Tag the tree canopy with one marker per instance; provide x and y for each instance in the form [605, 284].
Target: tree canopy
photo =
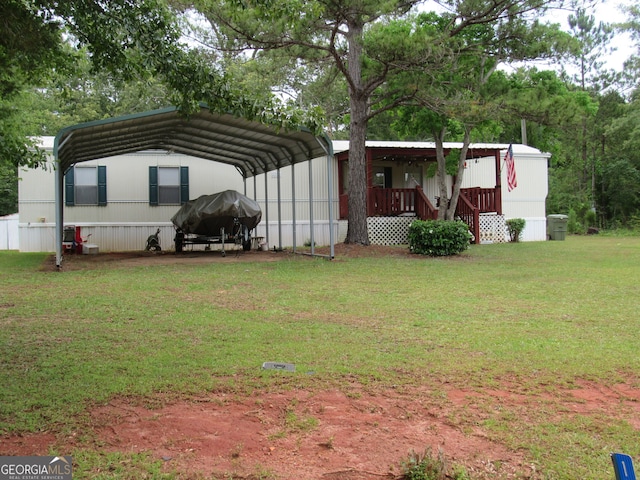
[387, 59]
[129, 40]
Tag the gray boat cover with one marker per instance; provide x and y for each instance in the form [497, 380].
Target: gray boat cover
[208, 214]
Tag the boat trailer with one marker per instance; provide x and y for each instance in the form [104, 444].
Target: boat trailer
[240, 235]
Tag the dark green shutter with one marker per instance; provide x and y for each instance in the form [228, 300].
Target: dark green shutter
[153, 185]
[184, 185]
[102, 185]
[69, 188]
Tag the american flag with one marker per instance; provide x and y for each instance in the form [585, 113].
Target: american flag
[512, 182]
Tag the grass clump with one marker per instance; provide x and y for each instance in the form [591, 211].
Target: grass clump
[123, 466]
[428, 467]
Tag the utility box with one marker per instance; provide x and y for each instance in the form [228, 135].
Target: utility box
[557, 227]
[89, 249]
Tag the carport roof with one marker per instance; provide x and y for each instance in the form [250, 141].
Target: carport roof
[252, 147]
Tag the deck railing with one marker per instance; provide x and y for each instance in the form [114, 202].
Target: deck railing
[470, 214]
[484, 199]
[390, 201]
[424, 208]
[397, 201]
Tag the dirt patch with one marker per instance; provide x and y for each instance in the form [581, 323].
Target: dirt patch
[142, 258]
[288, 435]
[327, 434]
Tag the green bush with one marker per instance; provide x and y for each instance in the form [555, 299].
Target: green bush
[590, 218]
[580, 219]
[438, 237]
[515, 226]
[573, 223]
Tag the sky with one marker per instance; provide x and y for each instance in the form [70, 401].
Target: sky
[607, 11]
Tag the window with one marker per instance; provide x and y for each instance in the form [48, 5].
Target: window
[86, 185]
[381, 177]
[168, 185]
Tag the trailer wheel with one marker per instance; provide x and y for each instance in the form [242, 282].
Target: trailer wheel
[246, 238]
[179, 240]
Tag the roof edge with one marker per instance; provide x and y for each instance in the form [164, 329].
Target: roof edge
[105, 121]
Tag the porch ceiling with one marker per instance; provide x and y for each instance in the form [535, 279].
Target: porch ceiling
[252, 147]
[426, 151]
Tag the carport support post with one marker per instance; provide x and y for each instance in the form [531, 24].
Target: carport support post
[279, 212]
[293, 204]
[311, 225]
[59, 211]
[255, 187]
[255, 197]
[266, 207]
[330, 202]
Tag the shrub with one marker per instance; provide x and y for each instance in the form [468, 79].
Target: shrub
[573, 223]
[590, 218]
[515, 226]
[438, 237]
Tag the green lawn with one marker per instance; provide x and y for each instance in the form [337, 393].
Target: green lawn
[538, 316]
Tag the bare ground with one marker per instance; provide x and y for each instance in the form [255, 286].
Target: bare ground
[327, 434]
[141, 258]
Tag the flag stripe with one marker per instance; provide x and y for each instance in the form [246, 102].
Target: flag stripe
[512, 182]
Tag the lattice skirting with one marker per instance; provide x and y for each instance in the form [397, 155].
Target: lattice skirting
[493, 229]
[389, 230]
[395, 230]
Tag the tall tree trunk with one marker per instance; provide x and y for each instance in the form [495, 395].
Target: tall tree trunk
[442, 174]
[455, 193]
[357, 229]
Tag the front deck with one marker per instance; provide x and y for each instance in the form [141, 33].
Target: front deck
[404, 166]
[391, 202]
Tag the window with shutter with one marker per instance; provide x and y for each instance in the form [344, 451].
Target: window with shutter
[86, 185]
[168, 185]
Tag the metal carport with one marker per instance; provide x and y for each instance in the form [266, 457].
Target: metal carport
[252, 147]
